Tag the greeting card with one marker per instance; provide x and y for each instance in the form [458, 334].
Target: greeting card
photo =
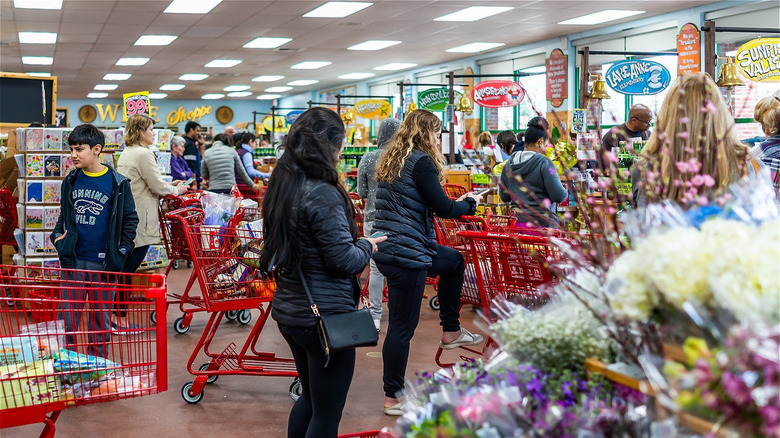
[51, 262]
[50, 216]
[163, 139]
[33, 140]
[34, 192]
[52, 165]
[33, 217]
[107, 159]
[67, 164]
[35, 242]
[51, 191]
[164, 162]
[34, 165]
[52, 139]
[65, 136]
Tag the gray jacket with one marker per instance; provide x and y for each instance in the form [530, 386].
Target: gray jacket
[540, 177]
[221, 164]
[366, 184]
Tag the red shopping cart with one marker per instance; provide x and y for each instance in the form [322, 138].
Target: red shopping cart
[359, 204]
[454, 191]
[45, 369]
[226, 264]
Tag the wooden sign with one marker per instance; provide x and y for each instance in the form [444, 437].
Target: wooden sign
[557, 78]
[688, 49]
[759, 60]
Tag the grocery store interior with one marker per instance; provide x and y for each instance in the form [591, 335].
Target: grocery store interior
[255, 66]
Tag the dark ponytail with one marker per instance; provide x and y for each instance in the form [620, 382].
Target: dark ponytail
[537, 128]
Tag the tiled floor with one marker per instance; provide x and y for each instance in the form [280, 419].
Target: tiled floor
[238, 406]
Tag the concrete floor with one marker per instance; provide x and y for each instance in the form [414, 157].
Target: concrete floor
[240, 406]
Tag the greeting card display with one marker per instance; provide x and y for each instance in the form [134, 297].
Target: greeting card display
[67, 164]
[33, 139]
[34, 165]
[34, 192]
[33, 217]
[50, 216]
[52, 165]
[51, 191]
[52, 139]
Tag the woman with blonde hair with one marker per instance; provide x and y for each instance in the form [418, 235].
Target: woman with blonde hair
[409, 175]
[694, 150]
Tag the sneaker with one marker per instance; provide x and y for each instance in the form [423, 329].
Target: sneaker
[465, 338]
[394, 410]
[121, 331]
[376, 324]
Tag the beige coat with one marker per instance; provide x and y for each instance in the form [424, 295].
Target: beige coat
[139, 165]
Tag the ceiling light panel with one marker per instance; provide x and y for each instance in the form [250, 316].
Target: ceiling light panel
[37, 60]
[191, 6]
[39, 74]
[106, 87]
[356, 76]
[116, 77]
[97, 95]
[395, 66]
[171, 87]
[223, 63]
[158, 95]
[302, 82]
[473, 13]
[266, 43]
[132, 61]
[236, 88]
[267, 78]
[37, 37]
[310, 65]
[268, 96]
[374, 45]
[474, 47]
[212, 96]
[601, 17]
[279, 89]
[240, 94]
[193, 77]
[337, 9]
[38, 4]
[155, 40]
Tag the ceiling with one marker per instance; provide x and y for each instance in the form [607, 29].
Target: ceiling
[93, 35]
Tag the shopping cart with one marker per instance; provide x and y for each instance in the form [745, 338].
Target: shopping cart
[359, 204]
[226, 264]
[176, 245]
[8, 220]
[45, 369]
[454, 191]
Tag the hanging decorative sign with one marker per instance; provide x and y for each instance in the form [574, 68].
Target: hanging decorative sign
[376, 109]
[638, 77]
[277, 124]
[436, 99]
[578, 116]
[497, 94]
[291, 116]
[688, 49]
[136, 103]
[557, 78]
[759, 60]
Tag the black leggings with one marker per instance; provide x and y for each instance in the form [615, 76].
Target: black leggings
[405, 289]
[317, 413]
[132, 263]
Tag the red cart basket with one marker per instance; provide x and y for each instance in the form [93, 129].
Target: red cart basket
[45, 368]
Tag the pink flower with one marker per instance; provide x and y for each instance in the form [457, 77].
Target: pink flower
[611, 210]
[546, 202]
[708, 180]
[711, 107]
[702, 200]
[684, 120]
[567, 215]
[683, 135]
[677, 183]
[682, 166]
[611, 157]
[698, 180]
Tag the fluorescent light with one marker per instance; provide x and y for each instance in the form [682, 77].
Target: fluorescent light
[106, 87]
[223, 63]
[374, 45]
[37, 37]
[193, 77]
[212, 96]
[336, 9]
[356, 75]
[534, 70]
[395, 66]
[116, 76]
[266, 42]
[601, 17]
[97, 95]
[155, 40]
[279, 89]
[38, 4]
[310, 65]
[302, 82]
[236, 88]
[474, 47]
[473, 13]
[268, 96]
[132, 61]
[39, 74]
[191, 6]
[37, 60]
[171, 87]
[240, 94]
[267, 78]
[158, 95]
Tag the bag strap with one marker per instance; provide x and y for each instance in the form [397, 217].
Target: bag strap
[316, 313]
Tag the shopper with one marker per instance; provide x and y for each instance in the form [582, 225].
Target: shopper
[409, 173]
[767, 113]
[179, 168]
[530, 180]
[366, 188]
[192, 153]
[138, 163]
[640, 117]
[310, 235]
[221, 165]
[245, 148]
[506, 141]
[95, 231]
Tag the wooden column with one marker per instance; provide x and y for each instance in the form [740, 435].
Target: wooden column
[710, 55]
[584, 76]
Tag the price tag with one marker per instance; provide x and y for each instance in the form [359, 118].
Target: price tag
[136, 103]
[449, 113]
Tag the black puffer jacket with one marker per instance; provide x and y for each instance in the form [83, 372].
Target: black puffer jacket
[331, 256]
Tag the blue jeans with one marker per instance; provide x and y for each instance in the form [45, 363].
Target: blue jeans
[101, 300]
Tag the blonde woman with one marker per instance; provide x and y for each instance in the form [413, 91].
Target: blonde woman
[694, 150]
[409, 175]
[138, 163]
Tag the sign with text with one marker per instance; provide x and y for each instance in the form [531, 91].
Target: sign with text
[435, 99]
[759, 60]
[275, 124]
[688, 49]
[578, 116]
[136, 103]
[291, 116]
[376, 109]
[497, 94]
[557, 78]
[181, 115]
[638, 77]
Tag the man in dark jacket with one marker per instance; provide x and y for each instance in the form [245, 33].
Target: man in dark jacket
[191, 150]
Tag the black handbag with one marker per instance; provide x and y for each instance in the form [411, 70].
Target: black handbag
[342, 331]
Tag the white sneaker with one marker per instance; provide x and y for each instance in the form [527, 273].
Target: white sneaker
[376, 324]
[465, 338]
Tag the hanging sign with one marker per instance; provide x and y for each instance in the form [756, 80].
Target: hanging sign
[557, 78]
[688, 49]
[436, 99]
[407, 95]
[759, 60]
[291, 116]
[136, 103]
[278, 124]
[638, 77]
[497, 94]
[376, 109]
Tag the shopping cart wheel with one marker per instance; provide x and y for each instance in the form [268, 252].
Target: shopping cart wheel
[244, 317]
[209, 379]
[179, 326]
[295, 389]
[187, 395]
[434, 302]
[153, 317]
[175, 264]
[231, 315]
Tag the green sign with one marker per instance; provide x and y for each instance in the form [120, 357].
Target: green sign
[435, 99]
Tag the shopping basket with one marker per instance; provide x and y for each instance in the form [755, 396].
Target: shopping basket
[45, 369]
[454, 191]
[226, 264]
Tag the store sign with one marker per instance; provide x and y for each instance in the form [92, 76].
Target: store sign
[376, 109]
[136, 103]
[291, 116]
[759, 60]
[497, 94]
[181, 115]
[436, 99]
[277, 124]
[557, 78]
[638, 77]
[688, 49]
[108, 113]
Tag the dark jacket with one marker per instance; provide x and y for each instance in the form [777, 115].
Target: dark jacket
[331, 257]
[192, 156]
[540, 177]
[124, 221]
